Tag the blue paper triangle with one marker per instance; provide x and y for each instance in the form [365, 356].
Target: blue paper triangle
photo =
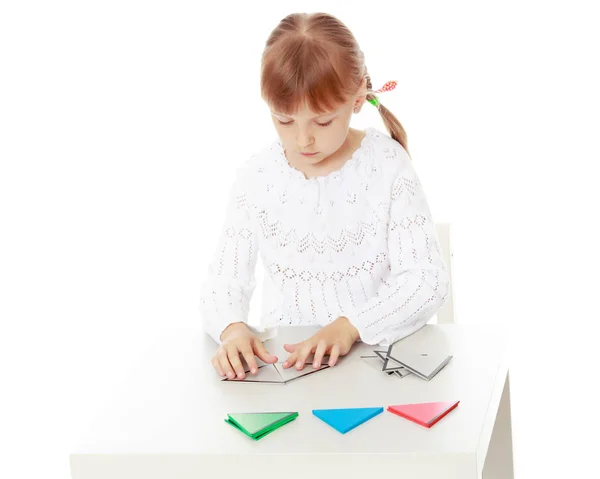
[344, 420]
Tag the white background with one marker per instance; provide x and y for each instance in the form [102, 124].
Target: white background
[122, 122]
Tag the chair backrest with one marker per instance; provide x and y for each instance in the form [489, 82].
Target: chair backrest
[446, 313]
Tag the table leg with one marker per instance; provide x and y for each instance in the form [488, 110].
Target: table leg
[499, 459]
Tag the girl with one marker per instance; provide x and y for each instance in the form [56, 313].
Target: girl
[338, 215]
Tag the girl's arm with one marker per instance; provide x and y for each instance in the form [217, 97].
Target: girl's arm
[418, 283]
[228, 287]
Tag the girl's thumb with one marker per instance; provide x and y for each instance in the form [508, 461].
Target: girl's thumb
[262, 352]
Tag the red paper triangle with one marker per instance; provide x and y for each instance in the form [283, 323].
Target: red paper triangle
[425, 414]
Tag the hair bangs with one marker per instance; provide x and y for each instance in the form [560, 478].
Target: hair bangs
[302, 73]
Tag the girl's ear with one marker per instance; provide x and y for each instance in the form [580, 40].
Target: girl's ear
[361, 97]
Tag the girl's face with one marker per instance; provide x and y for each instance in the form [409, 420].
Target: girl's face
[308, 132]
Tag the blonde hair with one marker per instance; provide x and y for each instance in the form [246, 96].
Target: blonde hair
[314, 59]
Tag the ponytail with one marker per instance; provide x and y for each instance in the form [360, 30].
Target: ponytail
[392, 124]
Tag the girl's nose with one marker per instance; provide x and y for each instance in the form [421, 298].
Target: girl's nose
[304, 139]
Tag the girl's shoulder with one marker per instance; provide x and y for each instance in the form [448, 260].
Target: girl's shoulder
[382, 158]
[388, 151]
[257, 170]
[263, 160]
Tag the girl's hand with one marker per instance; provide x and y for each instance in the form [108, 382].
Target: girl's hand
[335, 339]
[238, 339]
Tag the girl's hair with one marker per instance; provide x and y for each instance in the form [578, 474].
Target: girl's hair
[315, 59]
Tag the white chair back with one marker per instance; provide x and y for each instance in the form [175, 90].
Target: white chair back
[446, 314]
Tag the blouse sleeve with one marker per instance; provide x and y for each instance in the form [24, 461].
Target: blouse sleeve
[417, 284]
[230, 282]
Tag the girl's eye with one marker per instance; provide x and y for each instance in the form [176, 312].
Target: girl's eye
[320, 124]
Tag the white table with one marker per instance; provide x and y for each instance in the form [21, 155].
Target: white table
[169, 422]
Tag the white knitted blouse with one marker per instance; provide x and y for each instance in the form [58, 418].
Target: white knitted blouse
[358, 242]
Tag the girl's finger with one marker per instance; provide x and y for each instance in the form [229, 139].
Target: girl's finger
[225, 364]
[236, 363]
[319, 353]
[290, 360]
[248, 354]
[303, 354]
[334, 354]
[217, 366]
[294, 349]
[261, 351]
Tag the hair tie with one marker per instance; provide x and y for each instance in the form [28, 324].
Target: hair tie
[389, 86]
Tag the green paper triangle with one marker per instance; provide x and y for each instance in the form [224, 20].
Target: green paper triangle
[258, 425]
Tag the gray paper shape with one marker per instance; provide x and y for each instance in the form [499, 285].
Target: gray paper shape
[265, 374]
[424, 365]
